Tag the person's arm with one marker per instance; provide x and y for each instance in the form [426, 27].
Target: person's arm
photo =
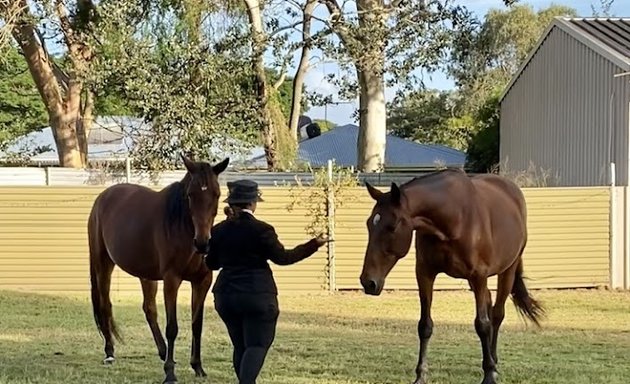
[275, 251]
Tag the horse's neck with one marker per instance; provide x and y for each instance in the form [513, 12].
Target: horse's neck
[443, 210]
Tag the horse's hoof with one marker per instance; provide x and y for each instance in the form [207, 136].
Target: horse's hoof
[490, 378]
[109, 360]
[199, 372]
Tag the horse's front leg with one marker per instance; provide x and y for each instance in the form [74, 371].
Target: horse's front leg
[483, 326]
[199, 292]
[425, 325]
[171, 288]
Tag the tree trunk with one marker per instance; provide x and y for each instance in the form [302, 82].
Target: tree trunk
[262, 91]
[62, 105]
[300, 74]
[372, 121]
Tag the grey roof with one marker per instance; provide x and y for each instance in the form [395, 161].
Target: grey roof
[340, 144]
[609, 37]
[111, 138]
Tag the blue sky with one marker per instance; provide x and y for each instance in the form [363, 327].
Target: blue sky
[342, 113]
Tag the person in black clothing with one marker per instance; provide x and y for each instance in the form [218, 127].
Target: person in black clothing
[245, 293]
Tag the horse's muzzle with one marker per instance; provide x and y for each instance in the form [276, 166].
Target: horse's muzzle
[202, 246]
[371, 287]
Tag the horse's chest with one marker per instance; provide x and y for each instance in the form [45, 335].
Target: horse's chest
[443, 257]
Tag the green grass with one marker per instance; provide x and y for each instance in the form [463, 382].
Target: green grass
[323, 339]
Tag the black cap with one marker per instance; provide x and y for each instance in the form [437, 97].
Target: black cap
[243, 192]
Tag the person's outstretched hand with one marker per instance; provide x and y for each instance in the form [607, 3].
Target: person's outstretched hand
[322, 239]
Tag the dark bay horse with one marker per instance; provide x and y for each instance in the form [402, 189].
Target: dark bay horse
[467, 227]
[156, 235]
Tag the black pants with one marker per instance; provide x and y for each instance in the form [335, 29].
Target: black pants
[251, 322]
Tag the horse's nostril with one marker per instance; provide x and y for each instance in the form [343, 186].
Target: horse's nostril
[371, 286]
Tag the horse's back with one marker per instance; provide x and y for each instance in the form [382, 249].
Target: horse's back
[495, 186]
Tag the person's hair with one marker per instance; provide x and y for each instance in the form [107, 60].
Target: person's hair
[234, 209]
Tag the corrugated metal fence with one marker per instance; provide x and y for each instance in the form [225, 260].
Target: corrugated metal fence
[43, 245]
[54, 176]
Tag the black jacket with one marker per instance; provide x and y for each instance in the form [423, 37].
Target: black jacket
[241, 246]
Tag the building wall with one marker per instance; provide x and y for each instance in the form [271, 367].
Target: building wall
[43, 243]
[568, 114]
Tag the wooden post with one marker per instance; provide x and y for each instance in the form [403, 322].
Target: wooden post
[330, 203]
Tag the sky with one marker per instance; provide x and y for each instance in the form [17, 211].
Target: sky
[342, 113]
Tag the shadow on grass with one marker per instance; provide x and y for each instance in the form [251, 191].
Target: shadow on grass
[53, 339]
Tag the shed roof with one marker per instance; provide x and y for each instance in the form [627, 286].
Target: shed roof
[609, 37]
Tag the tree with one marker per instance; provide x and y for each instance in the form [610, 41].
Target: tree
[487, 54]
[483, 148]
[197, 93]
[68, 103]
[395, 38]
[297, 105]
[21, 107]
[430, 117]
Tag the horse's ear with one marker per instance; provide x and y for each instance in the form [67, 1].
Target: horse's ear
[221, 166]
[189, 164]
[395, 193]
[375, 193]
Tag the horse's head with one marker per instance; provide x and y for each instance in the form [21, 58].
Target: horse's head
[390, 232]
[203, 193]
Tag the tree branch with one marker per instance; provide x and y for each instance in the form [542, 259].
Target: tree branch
[338, 22]
[280, 81]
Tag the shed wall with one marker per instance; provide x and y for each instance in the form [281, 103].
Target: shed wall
[567, 113]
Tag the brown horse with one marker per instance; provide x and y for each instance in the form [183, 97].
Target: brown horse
[156, 235]
[467, 227]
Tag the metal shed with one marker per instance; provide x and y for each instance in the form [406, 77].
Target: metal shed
[566, 109]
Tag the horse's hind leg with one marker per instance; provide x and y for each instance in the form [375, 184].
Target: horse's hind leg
[103, 306]
[199, 292]
[425, 325]
[483, 326]
[149, 306]
[504, 287]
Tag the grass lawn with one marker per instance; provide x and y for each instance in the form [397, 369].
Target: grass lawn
[323, 339]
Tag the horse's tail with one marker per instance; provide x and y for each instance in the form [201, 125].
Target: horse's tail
[97, 255]
[526, 305]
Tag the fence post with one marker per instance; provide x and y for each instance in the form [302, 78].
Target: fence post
[612, 216]
[47, 174]
[330, 215]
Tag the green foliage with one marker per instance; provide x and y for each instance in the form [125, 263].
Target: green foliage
[195, 95]
[325, 125]
[487, 54]
[430, 117]
[21, 106]
[315, 197]
[483, 149]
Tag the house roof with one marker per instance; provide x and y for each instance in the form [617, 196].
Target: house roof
[340, 144]
[111, 138]
[609, 37]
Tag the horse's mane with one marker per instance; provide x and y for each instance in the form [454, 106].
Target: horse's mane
[177, 211]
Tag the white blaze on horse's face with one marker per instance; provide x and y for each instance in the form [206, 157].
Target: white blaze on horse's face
[376, 219]
[204, 187]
